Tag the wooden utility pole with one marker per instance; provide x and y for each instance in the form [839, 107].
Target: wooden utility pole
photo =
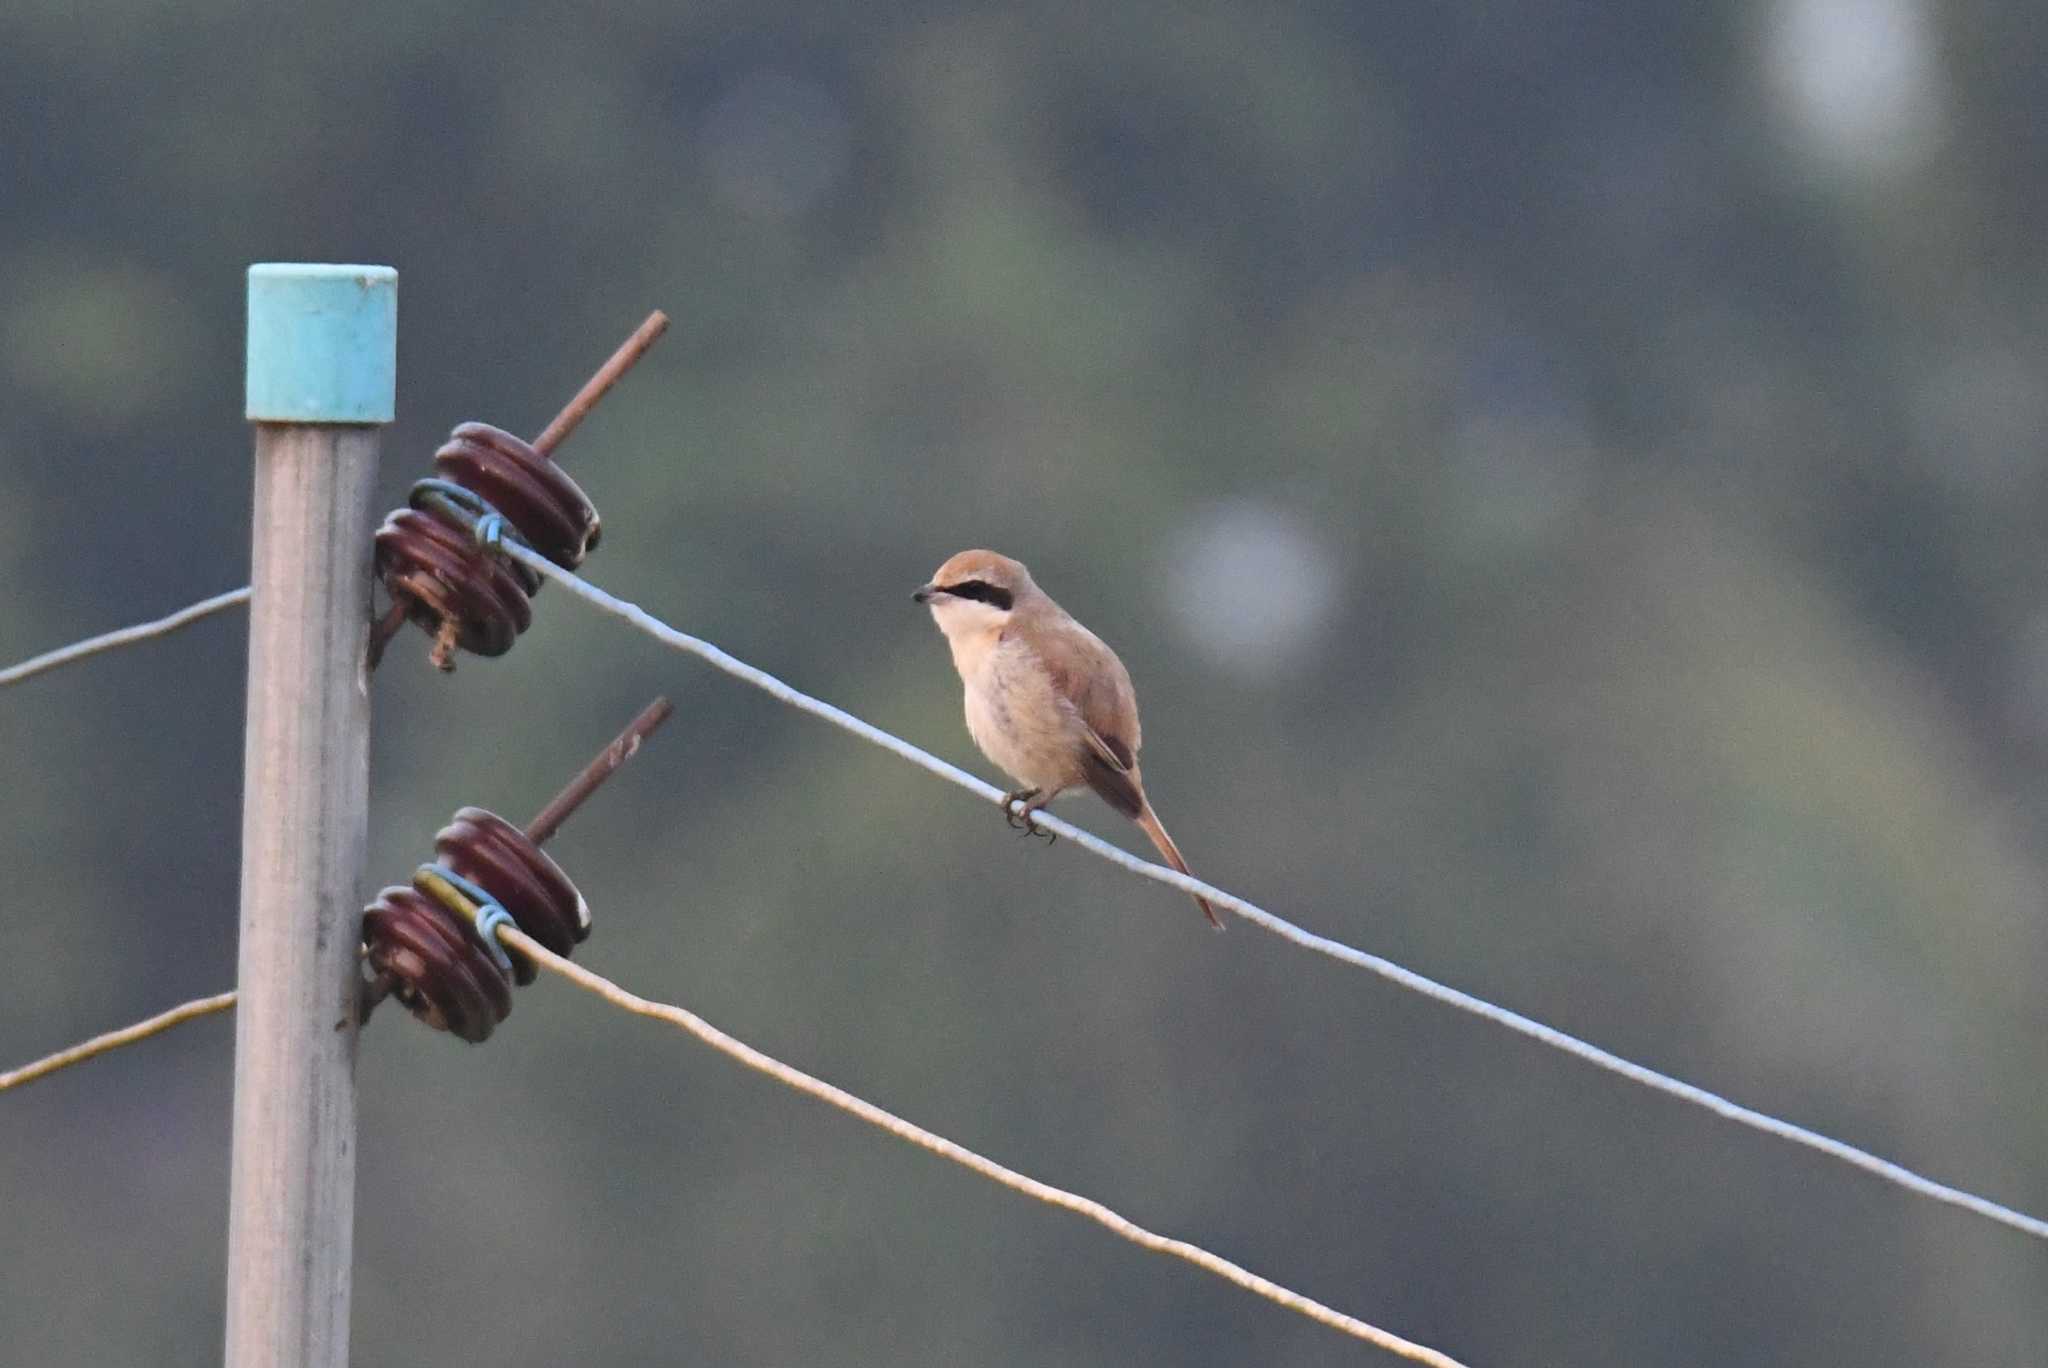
[321, 379]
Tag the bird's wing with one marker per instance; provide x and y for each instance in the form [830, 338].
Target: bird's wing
[1088, 675]
[1106, 767]
[1090, 678]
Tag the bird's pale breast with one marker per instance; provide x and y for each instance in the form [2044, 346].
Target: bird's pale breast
[1018, 719]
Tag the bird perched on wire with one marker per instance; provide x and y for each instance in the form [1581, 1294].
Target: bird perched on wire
[1047, 701]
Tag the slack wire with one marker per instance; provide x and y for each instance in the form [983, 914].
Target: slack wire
[126, 636]
[988, 1168]
[1869, 1163]
[835, 1096]
[114, 1040]
[1877, 1167]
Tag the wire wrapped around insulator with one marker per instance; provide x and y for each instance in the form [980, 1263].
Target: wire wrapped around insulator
[492, 853]
[428, 553]
[432, 564]
[435, 965]
[424, 939]
[535, 495]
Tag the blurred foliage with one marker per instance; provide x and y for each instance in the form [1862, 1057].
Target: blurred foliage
[1568, 484]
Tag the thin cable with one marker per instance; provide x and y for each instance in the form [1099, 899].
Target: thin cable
[1407, 978]
[125, 636]
[1592, 1054]
[988, 1168]
[114, 1040]
[826, 1092]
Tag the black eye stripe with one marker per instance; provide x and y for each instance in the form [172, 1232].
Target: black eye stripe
[981, 591]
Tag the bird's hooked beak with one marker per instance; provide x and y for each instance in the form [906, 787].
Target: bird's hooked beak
[925, 594]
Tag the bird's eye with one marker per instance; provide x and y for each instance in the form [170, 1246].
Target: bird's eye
[981, 591]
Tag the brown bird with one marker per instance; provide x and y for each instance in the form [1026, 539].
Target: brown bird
[1047, 701]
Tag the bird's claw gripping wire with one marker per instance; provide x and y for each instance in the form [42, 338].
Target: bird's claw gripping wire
[1018, 807]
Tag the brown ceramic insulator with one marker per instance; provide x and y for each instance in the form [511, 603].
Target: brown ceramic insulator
[497, 856]
[436, 965]
[535, 495]
[437, 961]
[463, 594]
[434, 567]
[432, 957]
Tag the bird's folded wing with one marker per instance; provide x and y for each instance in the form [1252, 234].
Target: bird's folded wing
[1106, 764]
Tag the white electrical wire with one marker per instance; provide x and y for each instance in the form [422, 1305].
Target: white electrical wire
[1885, 1169]
[125, 636]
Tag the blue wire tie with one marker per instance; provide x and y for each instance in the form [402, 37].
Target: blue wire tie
[490, 527]
[490, 531]
[486, 911]
[468, 504]
[487, 525]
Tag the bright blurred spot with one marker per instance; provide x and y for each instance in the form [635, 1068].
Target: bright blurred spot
[774, 144]
[1251, 587]
[1860, 81]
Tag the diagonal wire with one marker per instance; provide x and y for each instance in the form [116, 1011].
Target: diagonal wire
[125, 636]
[1872, 1164]
[967, 1158]
[826, 1092]
[1884, 1169]
[114, 1040]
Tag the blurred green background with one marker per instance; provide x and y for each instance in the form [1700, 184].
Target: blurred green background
[1567, 480]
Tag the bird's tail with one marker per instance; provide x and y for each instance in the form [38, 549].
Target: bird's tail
[1148, 821]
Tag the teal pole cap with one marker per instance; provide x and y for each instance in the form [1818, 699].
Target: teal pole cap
[323, 343]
